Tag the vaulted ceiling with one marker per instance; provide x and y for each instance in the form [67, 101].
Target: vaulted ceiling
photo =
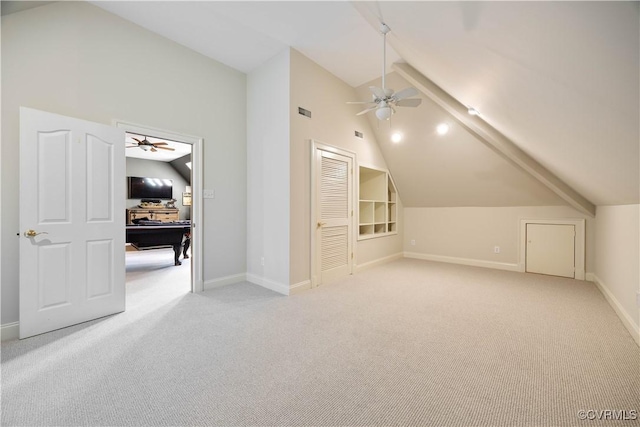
[559, 79]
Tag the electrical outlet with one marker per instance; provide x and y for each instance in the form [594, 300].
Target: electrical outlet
[413, 242]
[208, 194]
[496, 249]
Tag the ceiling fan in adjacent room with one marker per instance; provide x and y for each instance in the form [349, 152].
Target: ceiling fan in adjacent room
[384, 99]
[146, 145]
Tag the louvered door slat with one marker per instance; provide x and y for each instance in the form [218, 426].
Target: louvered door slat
[334, 247]
[334, 197]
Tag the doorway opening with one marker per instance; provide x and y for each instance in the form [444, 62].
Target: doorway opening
[158, 173]
[163, 177]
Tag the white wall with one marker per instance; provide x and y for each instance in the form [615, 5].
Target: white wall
[75, 59]
[268, 173]
[617, 268]
[471, 233]
[155, 169]
[333, 122]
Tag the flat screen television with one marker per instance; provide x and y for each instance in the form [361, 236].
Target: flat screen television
[149, 188]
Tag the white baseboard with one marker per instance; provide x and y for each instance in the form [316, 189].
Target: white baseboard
[627, 321]
[10, 331]
[377, 262]
[269, 284]
[464, 261]
[299, 287]
[223, 281]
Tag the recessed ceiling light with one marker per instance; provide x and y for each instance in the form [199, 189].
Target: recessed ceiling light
[473, 111]
[396, 137]
[442, 128]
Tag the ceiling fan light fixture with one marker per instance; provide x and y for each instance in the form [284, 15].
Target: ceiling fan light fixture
[386, 99]
[383, 113]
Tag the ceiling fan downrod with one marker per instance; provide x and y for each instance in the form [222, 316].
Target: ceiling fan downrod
[384, 29]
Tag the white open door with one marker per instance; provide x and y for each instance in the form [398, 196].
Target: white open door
[72, 222]
[334, 213]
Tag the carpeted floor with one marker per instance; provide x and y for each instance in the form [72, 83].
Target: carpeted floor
[409, 343]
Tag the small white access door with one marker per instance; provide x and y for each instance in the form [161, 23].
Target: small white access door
[334, 214]
[72, 235]
[551, 249]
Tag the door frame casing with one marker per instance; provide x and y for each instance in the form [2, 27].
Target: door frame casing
[197, 282]
[579, 249]
[315, 147]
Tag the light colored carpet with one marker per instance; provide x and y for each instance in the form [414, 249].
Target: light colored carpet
[409, 343]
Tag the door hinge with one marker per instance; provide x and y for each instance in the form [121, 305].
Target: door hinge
[351, 213]
[351, 255]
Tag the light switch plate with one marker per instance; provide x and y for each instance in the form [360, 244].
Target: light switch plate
[208, 194]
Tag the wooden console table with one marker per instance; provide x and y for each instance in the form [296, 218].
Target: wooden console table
[164, 214]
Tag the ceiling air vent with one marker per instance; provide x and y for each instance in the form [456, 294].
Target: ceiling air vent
[304, 112]
[359, 134]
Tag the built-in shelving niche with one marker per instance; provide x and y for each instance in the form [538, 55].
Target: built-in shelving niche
[377, 210]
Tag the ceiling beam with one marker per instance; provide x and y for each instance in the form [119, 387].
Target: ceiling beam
[493, 139]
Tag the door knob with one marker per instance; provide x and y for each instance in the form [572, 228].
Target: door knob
[33, 233]
[320, 224]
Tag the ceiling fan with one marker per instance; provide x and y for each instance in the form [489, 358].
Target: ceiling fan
[146, 145]
[385, 99]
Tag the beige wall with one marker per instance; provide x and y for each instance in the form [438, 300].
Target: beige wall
[75, 59]
[472, 233]
[333, 122]
[268, 173]
[617, 266]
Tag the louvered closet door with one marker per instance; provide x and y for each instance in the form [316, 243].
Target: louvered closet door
[334, 234]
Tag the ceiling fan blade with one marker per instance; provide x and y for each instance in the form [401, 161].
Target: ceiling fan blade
[367, 110]
[131, 146]
[153, 150]
[136, 139]
[379, 93]
[165, 148]
[409, 102]
[159, 143]
[361, 102]
[405, 93]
